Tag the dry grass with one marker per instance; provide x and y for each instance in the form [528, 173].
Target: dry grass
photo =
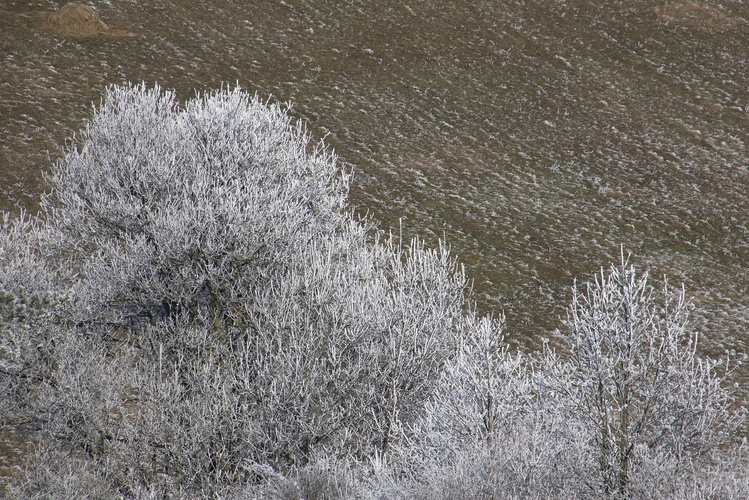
[77, 21]
[697, 16]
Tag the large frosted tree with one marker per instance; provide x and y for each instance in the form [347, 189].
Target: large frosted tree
[212, 252]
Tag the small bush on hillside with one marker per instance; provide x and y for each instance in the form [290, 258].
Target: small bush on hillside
[31, 291]
[637, 380]
[492, 430]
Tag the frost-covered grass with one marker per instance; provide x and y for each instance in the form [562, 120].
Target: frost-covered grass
[196, 313]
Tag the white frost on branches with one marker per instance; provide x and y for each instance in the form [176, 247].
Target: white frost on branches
[197, 313]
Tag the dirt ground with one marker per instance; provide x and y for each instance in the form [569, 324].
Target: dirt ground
[697, 15]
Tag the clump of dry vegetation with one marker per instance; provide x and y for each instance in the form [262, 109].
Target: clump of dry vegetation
[77, 21]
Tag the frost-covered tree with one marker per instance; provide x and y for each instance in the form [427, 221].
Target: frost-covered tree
[31, 290]
[264, 326]
[491, 429]
[636, 379]
[196, 313]
[628, 409]
[170, 210]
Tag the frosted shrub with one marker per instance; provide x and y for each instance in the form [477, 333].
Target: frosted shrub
[322, 479]
[229, 320]
[482, 390]
[309, 373]
[357, 339]
[491, 427]
[30, 292]
[169, 210]
[18, 303]
[637, 382]
[630, 410]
